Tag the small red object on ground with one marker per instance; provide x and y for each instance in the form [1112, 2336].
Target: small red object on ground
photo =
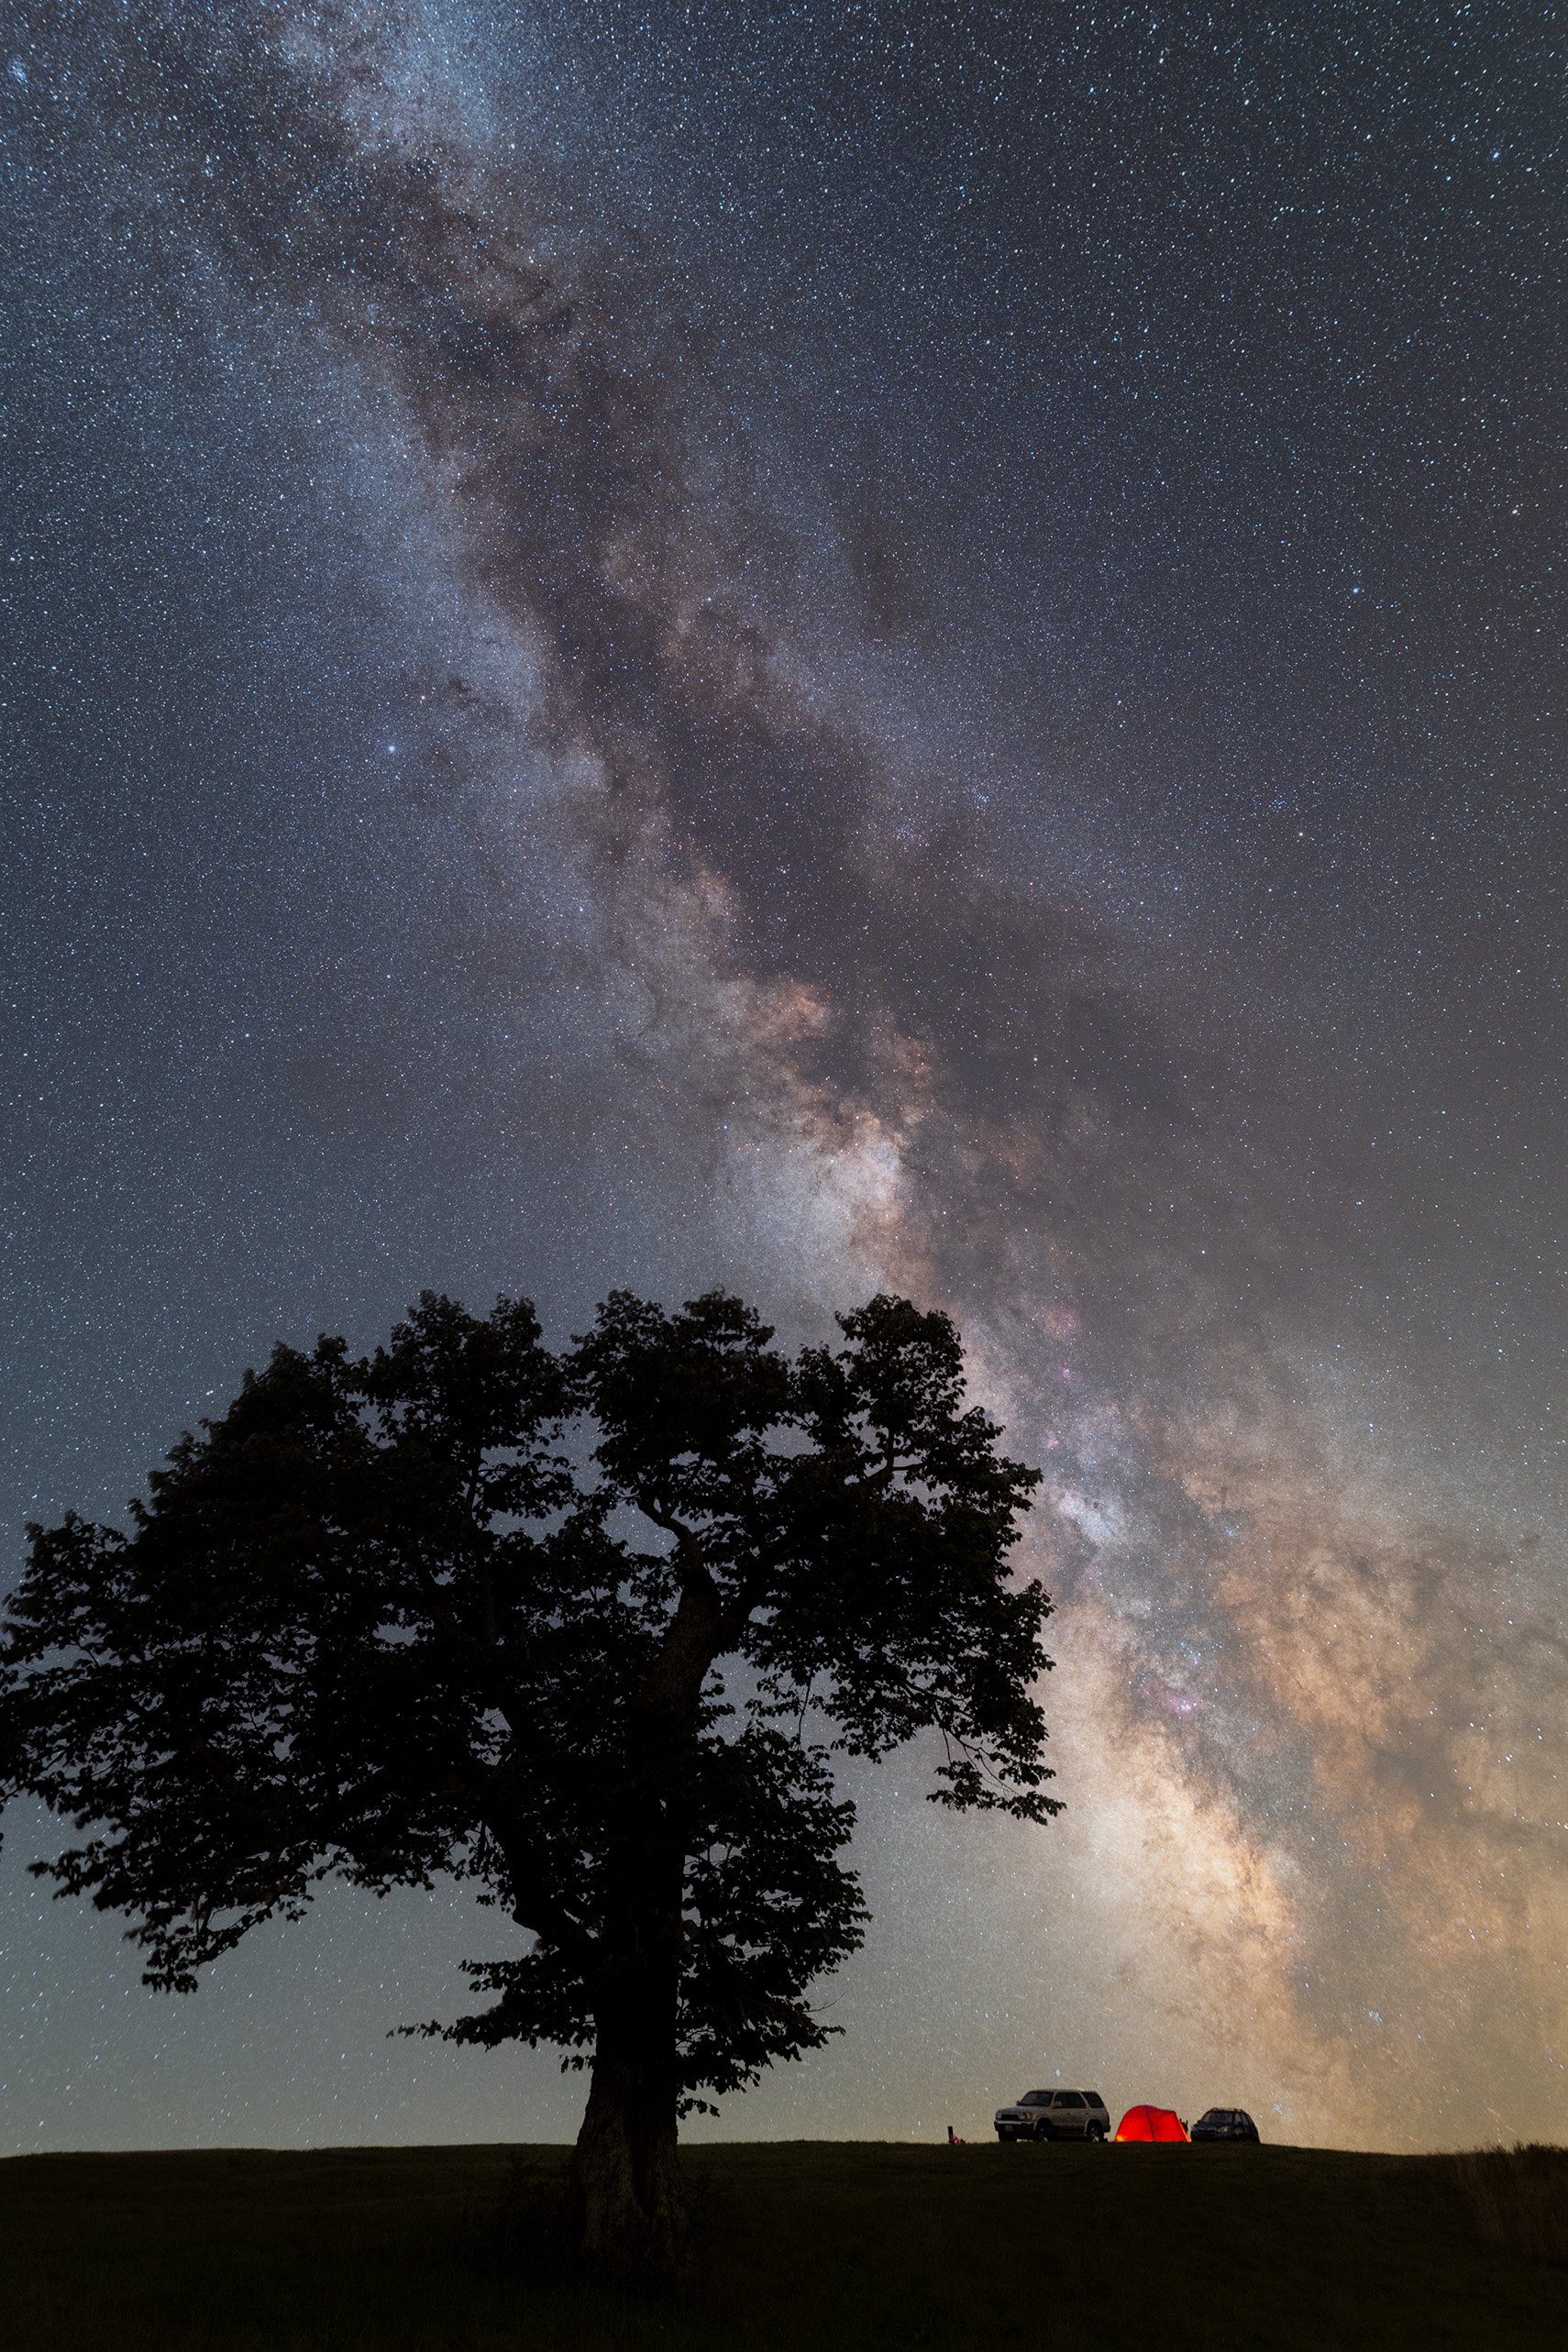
[953, 2138]
[1151, 2122]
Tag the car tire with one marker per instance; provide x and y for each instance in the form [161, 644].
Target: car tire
[1043, 2131]
[1095, 2135]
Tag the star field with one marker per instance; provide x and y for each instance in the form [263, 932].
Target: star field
[814, 648]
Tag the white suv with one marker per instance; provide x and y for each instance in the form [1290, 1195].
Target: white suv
[1055, 2114]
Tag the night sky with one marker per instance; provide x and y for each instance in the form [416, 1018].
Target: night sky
[814, 647]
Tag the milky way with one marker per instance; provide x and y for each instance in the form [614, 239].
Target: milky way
[920, 653]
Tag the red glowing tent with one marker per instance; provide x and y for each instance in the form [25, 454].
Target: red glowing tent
[1151, 2122]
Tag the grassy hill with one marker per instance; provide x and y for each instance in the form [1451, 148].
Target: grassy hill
[805, 2244]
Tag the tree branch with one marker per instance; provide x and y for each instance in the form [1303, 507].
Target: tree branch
[536, 1905]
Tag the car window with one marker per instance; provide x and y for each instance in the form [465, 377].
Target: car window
[1070, 2099]
[1094, 2099]
[1035, 2099]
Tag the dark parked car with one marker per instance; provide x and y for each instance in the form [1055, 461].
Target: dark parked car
[1225, 2123]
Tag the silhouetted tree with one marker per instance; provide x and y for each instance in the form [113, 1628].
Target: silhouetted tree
[559, 1625]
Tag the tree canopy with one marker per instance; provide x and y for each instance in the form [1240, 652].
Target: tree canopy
[578, 1628]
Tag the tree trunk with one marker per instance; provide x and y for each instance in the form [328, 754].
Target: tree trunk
[625, 2172]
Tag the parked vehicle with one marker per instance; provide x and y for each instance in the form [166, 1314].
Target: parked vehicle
[1225, 2123]
[1055, 2114]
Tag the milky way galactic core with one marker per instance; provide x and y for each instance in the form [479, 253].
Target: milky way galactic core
[815, 649]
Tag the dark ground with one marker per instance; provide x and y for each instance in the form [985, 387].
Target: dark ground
[811, 2244]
